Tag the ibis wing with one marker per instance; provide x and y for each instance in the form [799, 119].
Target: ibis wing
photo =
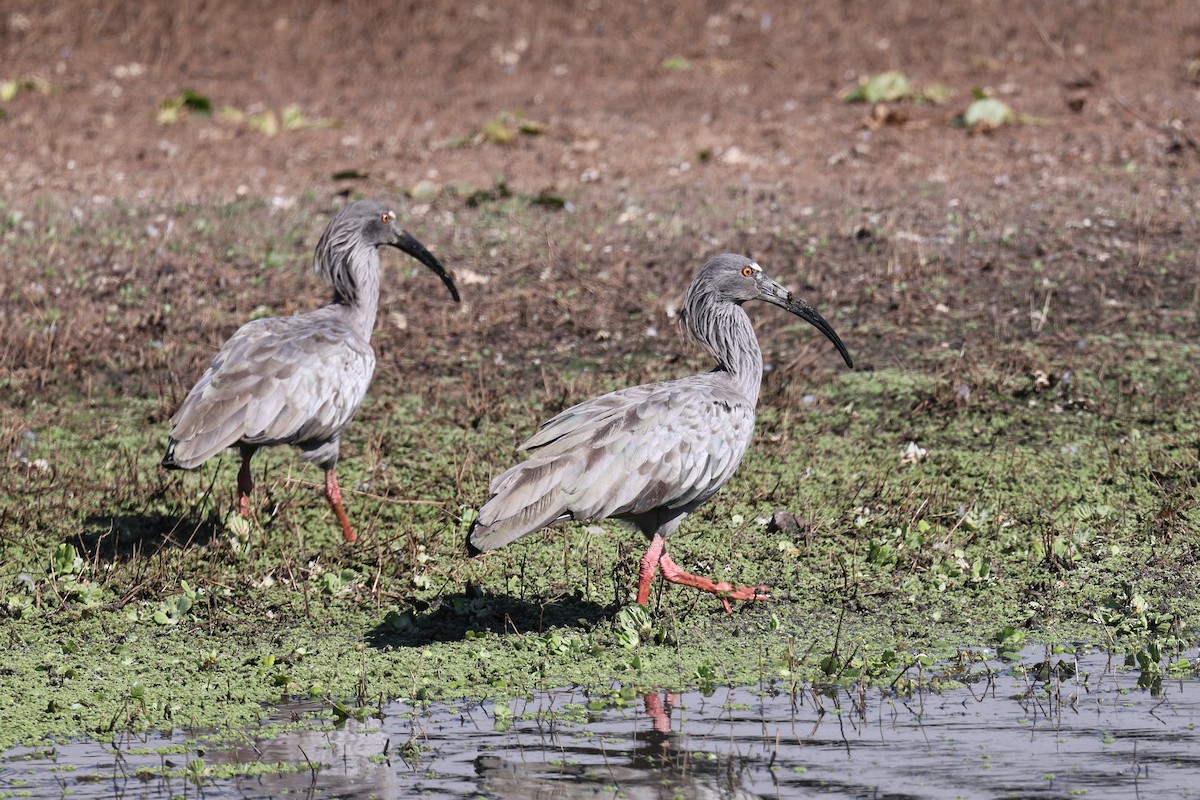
[284, 380]
[666, 445]
[673, 447]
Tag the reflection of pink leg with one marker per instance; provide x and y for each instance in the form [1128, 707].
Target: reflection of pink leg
[334, 494]
[726, 591]
[660, 715]
[245, 486]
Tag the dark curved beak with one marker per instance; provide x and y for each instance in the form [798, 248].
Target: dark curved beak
[775, 294]
[405, 241]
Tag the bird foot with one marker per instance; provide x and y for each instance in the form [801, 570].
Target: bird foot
[744, 592]
[724, 590]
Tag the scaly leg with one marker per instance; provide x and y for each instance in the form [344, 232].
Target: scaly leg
[656, 558]
[334, 494]
[648, 567]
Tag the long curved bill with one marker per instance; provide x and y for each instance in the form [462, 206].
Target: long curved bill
[406, 242]
[777, 295]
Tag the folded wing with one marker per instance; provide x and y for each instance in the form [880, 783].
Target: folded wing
[287, 380]
[665, 445]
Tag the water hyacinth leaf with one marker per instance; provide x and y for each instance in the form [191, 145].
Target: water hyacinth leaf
[340, 581]
[634, 618]
[237, 526]
[196, 770]
[172, 610]
[988, 114]
[66, 560]
[502, 717]
[885, 87]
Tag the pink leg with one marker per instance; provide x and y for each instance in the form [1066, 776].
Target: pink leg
[334, 494]
[648, 567]
[726, 591]
[656, 558]
[245, 486]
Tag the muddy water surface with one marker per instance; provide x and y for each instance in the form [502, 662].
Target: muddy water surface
[1010, 733]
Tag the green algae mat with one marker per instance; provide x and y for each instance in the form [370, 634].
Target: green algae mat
[898, 519]
[975, 484]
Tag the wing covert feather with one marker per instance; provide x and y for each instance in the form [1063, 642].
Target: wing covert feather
[624, 454]
[276, 381]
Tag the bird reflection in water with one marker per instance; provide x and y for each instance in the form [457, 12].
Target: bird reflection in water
[658, 767]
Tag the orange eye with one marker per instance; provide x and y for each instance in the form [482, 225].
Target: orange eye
[747, 271]
[386, 218]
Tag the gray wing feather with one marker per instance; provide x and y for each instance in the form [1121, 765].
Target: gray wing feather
[581, 421]
[665, 445]
[286, 380]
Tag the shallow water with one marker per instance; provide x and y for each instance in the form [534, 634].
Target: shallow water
[1003, 735]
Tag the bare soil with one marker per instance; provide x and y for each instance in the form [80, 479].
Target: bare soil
[672, 133]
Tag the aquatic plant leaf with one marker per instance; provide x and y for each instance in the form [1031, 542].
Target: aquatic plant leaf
[988, 114]
[882, 88]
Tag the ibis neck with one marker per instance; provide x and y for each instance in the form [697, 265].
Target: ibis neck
[725, 331]
[356, 288]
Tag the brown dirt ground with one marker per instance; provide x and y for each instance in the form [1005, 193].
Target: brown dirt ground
[917, 233]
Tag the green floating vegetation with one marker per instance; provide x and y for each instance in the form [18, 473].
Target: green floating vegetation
[947, 506]
[290, 118]
[882, 88]
[1035, 514]
[894, 86]
[988, 113]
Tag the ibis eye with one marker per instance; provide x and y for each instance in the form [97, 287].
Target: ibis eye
[747, 271]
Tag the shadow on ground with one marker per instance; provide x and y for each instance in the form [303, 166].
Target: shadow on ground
[451, 617]
[127, 536]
